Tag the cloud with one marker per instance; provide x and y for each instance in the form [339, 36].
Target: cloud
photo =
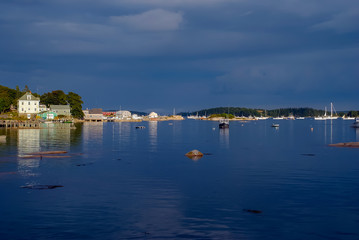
[342, 22]
[152, 20]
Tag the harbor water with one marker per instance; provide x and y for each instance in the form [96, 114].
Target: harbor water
[118, 182]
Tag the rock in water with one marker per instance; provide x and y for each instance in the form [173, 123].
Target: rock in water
[41, 187]
[194, 153]
[252, 211]
[347, 144]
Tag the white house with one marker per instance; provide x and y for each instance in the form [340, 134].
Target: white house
[153, 115]
[123, 114]
[43, 108]
[136, 117]
[28, 104]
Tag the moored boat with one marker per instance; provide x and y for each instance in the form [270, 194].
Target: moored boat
[356, 123]
[224, 123]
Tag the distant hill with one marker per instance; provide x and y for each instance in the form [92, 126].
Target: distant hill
[239, 111]
[132, 112]
[139, 113]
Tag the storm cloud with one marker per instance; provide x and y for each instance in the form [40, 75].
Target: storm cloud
[160, 54]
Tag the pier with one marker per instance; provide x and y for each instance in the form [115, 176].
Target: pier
[19, 124]
[33, 124]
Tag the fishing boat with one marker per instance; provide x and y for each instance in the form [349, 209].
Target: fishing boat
[224, 123]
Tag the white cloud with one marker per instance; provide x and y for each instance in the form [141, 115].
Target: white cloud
[152, 20]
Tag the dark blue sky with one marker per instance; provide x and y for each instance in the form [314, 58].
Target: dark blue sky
[154, 55]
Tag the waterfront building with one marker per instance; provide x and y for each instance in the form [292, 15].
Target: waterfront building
[48, 115]
[136, 117]
[43, 108]
[93, 115]
[125, 115]
[153, 115]
[28, 105]
[61, 109]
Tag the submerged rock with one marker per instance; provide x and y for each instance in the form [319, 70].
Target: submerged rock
[48, 152]
[7, 173]
[348, 144]
[252, 211]
[41, 187]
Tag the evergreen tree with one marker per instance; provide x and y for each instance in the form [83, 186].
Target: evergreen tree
[75, 102]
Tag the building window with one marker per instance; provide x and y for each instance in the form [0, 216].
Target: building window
[22, 109]
[22, 103]
[35, 109]
[29, 109]
[35, 103]
[29, 103]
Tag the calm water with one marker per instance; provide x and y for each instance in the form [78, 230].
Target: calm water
[126, 183]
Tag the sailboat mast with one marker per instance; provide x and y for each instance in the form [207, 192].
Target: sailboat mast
[331, 109]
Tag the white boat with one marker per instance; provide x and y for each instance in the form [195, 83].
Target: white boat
[275, 125]
[348, 118]
[356, 123]
[331, 112]
[224, 123]
[325, 117]
[278, 118]
[300, 118]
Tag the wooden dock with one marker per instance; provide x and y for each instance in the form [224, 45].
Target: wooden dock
[19, 124]
[28, 124]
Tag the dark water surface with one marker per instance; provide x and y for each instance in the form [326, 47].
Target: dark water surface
[125, 183]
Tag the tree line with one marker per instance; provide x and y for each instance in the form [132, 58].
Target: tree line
[9, 97]
[246, 112]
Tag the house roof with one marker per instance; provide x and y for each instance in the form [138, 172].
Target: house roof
[32, 98]
[95, 111]
[60, 107]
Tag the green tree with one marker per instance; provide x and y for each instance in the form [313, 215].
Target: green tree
[57, 97]
[75, 102]
[7, 97]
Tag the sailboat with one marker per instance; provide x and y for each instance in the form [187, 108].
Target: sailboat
[322, 117]
[325, 117]
[331, 112]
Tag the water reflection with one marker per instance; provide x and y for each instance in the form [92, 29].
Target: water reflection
[92, 132]
[38, 140]
[28, 142]
[152, 128]
[224, 137]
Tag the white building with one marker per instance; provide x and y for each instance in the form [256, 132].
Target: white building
[123, 114]
[28, 104]
[43, 108]
[136, 117]
[153, 115]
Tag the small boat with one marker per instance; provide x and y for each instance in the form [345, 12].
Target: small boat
[356, 123]
[275, 125]
[224, 123]
[140, 127]
[300, 118]
[348, 118]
